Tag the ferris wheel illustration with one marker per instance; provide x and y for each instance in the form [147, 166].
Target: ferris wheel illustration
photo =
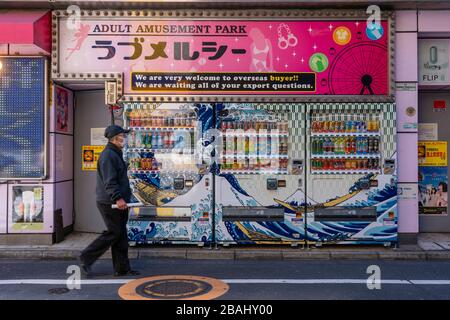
[359, 69]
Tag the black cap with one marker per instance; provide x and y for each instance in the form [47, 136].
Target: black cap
[114, 130]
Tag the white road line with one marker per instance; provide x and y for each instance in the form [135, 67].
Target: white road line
[231, 281]
[446, 282]
[63, 281]
[311, 281]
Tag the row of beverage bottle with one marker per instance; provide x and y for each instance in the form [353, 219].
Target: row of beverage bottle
[252, 145]
[144, 161]
[345, 126]
[345, 145]
[345, 164]
[161, 139]
[145, 118]
[280, 126]
[254, 164]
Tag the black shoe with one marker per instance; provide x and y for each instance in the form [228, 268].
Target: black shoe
[127, 273]
[85, 269]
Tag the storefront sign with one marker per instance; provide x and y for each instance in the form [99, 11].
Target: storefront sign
[28, 208]
[428, 131]
[439, 105]
[433, 197]
[432, 153]
[313, 57]
[90, 156]
[405, 86]
[433, 61]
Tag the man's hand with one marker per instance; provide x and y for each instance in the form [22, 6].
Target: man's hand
[121, 204]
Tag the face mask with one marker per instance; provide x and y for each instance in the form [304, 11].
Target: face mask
[121, 142]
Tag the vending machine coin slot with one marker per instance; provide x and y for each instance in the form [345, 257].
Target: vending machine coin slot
[189, 183]
[178, 183]
[272, 184]
[281, 183]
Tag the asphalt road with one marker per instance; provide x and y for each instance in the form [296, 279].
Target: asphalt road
[291, 280]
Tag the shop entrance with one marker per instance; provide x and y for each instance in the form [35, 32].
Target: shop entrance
[432, 220]
[90, 112]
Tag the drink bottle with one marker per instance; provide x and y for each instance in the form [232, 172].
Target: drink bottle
[224, 144]
[262, 149]
[353, 146]
[376, 125]
[165, 138]
[314, 146]
[375, 145]
[132, 140]
[370, 145]
[160, 141]
[229, 143]
[348, 145]
[144, 139]
[138, 139]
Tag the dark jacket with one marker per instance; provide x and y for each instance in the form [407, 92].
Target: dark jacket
[112, 179]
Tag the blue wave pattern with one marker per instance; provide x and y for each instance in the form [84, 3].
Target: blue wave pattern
[384, 199]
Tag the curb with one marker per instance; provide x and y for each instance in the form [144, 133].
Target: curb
[232, 254]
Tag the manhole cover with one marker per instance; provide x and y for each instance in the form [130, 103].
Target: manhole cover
[173, 287]
[58, 290]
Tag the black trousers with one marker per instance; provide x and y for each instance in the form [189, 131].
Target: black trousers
[115, 237]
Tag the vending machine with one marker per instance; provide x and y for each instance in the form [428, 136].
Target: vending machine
[352, 173]
[260, 180]
[306, 174]
[262, 173]
[170, 180]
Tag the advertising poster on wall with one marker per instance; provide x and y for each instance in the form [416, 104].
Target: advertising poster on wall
[313, 57]
[433, 177]
[62, 109]
[433, 197]
[432, 153]
[90, 156]
[28, 208]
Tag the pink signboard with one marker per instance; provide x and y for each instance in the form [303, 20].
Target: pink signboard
[312, 57]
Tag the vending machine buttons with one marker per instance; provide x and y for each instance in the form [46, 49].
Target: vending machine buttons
[178, 183]
[272, 184]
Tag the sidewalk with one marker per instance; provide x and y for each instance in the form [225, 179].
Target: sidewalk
[431, 246]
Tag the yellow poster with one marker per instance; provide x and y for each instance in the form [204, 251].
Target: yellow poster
[432, 153]
[90, 156]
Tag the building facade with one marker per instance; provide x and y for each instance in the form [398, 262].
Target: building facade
[289, 203]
